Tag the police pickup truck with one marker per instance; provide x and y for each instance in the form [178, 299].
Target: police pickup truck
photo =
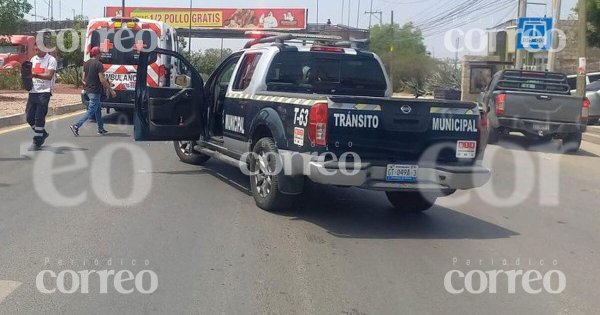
[288, 109]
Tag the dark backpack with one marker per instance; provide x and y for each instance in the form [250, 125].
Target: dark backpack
[27, 75]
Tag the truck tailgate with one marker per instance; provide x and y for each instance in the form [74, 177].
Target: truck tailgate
[401, 130]
[544, 107]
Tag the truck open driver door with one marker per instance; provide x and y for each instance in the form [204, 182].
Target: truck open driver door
[169, 113]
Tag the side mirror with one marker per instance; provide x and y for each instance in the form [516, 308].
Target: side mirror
[183, 81]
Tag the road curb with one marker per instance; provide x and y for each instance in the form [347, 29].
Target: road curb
[20, 119]
[594, 129]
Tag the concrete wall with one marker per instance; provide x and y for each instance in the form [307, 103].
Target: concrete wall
[470, 62]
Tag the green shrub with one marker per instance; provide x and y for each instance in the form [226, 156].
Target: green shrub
[11, 79]
[70, 75]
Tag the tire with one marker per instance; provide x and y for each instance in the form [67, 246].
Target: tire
[186, 153]
[542, 140]
[410, 202]
[493, 135]
[265, 187]
[572, 143]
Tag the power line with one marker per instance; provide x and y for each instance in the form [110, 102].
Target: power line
[375, 13]
[455, 17]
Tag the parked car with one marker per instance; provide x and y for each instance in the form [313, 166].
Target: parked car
[537, 104]
[589, 78]
[307, 104]
[592, 92]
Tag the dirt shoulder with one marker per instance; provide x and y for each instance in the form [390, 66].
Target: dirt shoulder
[14, 102]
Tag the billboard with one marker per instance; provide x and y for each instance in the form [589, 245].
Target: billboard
[282, 19]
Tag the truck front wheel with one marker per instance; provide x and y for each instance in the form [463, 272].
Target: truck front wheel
[410, 201]
[266, 171]
[186, 153]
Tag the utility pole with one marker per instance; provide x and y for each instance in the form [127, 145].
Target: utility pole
[82, 10]
[190, 31]
[581, 48]
[370, 13]
[343, 6]
[123, 9]
[521, 52]
[456, 54]
[50, 10]
[358, 15]
[392, 54]
[349, 11]
[317, 15]
[555, 18]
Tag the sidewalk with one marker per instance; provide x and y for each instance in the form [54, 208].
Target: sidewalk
[592, 135]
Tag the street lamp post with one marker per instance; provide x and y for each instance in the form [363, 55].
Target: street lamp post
[190, 31]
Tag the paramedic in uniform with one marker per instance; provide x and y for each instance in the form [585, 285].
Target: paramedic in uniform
[43, 70]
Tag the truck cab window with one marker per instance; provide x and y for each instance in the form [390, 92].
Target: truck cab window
[244, 76]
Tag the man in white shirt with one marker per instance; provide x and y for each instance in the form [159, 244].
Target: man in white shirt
[43, 71]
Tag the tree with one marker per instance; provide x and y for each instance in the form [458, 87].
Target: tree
[69, 50]
[593, 17]
[403, 50]
[208, 60]
[446, 74]
[11, 11]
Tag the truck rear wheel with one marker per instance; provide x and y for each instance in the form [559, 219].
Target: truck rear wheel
[410, 201]
[572, 143]
[493, 135]
[186, 153]
[264, 181]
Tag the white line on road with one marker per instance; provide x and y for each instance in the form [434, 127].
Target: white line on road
[50, 119]
[7, 287]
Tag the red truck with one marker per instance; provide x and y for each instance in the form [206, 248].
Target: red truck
[14, 50]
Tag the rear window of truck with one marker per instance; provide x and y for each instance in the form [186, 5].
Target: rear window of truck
[544, 82]
[326, 73]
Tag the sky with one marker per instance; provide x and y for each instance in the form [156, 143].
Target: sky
[404, 11]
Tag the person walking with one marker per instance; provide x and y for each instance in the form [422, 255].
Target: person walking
[94, 82]
[42, 74]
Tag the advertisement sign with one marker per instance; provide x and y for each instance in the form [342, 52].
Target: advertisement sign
[534, 33]
[281, 19]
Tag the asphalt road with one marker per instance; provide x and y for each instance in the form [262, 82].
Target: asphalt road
[339, 251]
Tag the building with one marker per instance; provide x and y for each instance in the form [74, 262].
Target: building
[502, 44]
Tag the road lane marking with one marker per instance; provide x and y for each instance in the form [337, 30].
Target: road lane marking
[7, 287]
[51, 119]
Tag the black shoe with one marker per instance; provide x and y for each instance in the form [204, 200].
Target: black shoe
[102, 132]
[75, 130]
[44, 137]
[35, 147]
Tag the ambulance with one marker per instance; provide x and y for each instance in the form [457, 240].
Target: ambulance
[120, 40]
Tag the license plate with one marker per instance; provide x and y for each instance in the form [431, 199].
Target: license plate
[541, 127]
[402, 173]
